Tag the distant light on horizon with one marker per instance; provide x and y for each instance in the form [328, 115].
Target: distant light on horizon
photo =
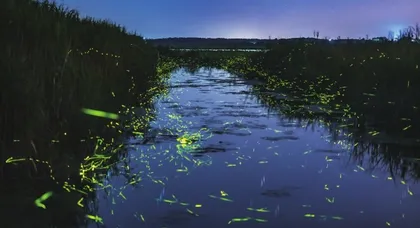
[254, 18]
[397, 28]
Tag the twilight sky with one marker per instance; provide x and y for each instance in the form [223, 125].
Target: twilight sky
[254, 18]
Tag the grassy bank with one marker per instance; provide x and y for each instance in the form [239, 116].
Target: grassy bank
[376, 80]
[53, 64]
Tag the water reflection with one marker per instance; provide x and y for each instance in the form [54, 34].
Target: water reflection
[215, 155]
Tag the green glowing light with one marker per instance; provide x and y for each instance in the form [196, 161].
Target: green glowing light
[99, 113]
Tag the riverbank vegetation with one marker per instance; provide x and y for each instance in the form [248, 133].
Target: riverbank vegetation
[53, 65]
[377, 80]
[56, 62]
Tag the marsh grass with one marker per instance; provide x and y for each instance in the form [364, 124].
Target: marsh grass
[53, 64]
[377, 79]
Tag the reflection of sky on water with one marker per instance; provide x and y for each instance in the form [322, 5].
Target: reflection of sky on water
[305, 180]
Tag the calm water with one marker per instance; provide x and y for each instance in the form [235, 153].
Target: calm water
[215, 155]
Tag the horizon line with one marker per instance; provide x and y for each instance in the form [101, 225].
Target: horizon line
[246, 38]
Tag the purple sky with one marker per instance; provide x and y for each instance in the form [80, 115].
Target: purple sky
[254, 18]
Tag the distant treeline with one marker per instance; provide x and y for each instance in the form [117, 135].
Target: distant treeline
[189, 42]
[224, 43]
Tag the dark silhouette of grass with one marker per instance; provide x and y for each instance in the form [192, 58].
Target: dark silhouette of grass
[378, 80]
[53, 64]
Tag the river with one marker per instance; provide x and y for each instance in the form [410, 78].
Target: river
[216, 157]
